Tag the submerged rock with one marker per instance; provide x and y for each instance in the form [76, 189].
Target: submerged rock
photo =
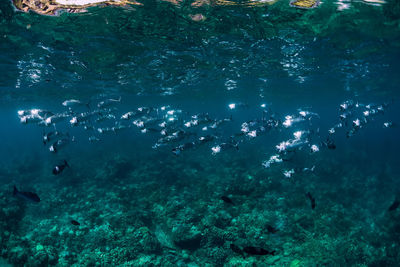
[48, 7]
[53, 7]
[185, 238]
[146, 241]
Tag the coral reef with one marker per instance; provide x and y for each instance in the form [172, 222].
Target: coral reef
[138, 220]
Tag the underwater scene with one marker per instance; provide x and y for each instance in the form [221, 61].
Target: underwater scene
[200, 133]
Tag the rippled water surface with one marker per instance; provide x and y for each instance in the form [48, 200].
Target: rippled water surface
[224, 96]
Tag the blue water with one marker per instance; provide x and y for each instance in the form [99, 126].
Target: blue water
[138, 205]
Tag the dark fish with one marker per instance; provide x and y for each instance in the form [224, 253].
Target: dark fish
[225, 146]
[176, 136]
[47, 136]
[217, 123]
[59, 168]
[238, 105]
[227, 200]
[271, 229]
[202, 118]
[26, 195]
[177, 150]
[330, 144]
[75, 222]
[311, 199]
[205, 139]
[236, 249]
[145, 110]
[394, 205]
[258, 251]
[288, 155]
[388, 125]
[58, 144]
[154, 130]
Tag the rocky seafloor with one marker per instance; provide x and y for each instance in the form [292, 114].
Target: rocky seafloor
[167, 211]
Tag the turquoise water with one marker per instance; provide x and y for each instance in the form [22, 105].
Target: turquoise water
[150, 195]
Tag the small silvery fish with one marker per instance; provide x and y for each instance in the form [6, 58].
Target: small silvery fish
[75, 103]
[71, 102]
[108, 102]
